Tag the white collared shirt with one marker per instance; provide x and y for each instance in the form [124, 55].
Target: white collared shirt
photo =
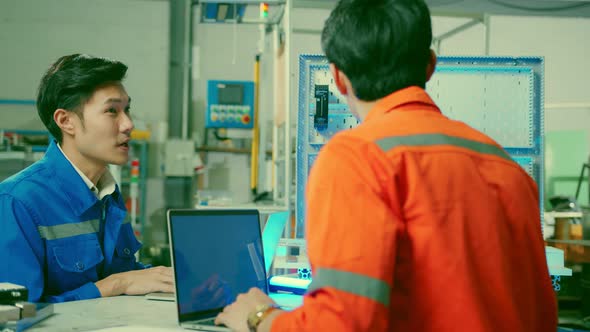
[106, 183]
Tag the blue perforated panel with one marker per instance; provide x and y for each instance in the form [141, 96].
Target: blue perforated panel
[502, 97]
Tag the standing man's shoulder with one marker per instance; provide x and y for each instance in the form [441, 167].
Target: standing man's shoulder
[353, 142]
[350, 153]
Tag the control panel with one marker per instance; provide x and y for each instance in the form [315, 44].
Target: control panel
[230, 104]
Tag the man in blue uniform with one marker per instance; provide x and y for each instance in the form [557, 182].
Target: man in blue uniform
[63, 231]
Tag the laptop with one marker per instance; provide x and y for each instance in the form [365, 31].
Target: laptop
[216, 255]
[273, 228]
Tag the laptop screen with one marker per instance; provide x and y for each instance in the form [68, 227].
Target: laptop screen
[217, 254]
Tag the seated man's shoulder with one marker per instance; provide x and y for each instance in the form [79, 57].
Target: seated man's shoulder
[23, 184]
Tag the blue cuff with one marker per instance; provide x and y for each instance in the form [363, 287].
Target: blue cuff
[88, 291]
[141, 266]
[84, 292]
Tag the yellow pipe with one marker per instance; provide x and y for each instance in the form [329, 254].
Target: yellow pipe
[255, 129]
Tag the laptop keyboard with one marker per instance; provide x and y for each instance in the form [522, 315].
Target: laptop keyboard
[210, 321]
[204, 322]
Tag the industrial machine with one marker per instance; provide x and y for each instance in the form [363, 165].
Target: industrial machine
[230, 104]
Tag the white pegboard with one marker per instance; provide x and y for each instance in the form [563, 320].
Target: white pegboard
[501, 98]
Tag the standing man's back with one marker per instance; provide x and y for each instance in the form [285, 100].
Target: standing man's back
[415, 222]
[459, 218]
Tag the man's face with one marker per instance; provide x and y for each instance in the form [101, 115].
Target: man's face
[102, 135]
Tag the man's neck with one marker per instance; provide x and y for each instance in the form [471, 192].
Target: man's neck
[361, 107]
[91, 169]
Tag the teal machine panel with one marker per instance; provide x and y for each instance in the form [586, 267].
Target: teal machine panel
[500, 96]
[230, 104]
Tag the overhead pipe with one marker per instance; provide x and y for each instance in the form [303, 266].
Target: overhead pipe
[17, 102]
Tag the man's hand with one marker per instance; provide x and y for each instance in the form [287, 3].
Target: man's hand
[212, 293]
[235, 315]
[138, 282]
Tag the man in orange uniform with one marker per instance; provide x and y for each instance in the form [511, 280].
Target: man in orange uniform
[415, 222]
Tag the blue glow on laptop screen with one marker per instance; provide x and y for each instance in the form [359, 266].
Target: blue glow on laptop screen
[216, 257]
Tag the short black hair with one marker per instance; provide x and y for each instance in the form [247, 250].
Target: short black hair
[70, 82]
[381, 45]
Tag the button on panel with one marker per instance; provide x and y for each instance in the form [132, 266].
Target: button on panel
[229, 116]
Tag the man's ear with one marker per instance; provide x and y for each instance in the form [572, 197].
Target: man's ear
[431, 65]
[340, 79]
[64, 120]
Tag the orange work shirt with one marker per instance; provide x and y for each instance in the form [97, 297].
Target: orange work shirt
[416, 222]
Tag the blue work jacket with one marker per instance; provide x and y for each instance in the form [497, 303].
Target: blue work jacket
[50, 223]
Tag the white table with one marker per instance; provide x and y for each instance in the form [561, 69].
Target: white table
[123, 313]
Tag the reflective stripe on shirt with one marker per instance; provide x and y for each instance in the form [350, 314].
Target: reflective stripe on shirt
[374, 289]
[389, 143]
[68, 230]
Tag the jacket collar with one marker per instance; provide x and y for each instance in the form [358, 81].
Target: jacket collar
[80, 197]
[411, 98]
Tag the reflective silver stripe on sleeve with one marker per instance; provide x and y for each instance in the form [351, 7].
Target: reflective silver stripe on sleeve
[68, 230]
[389, 143]
[358, 284]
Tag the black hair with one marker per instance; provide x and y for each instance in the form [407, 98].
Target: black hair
[70, 82]
[381, 45]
